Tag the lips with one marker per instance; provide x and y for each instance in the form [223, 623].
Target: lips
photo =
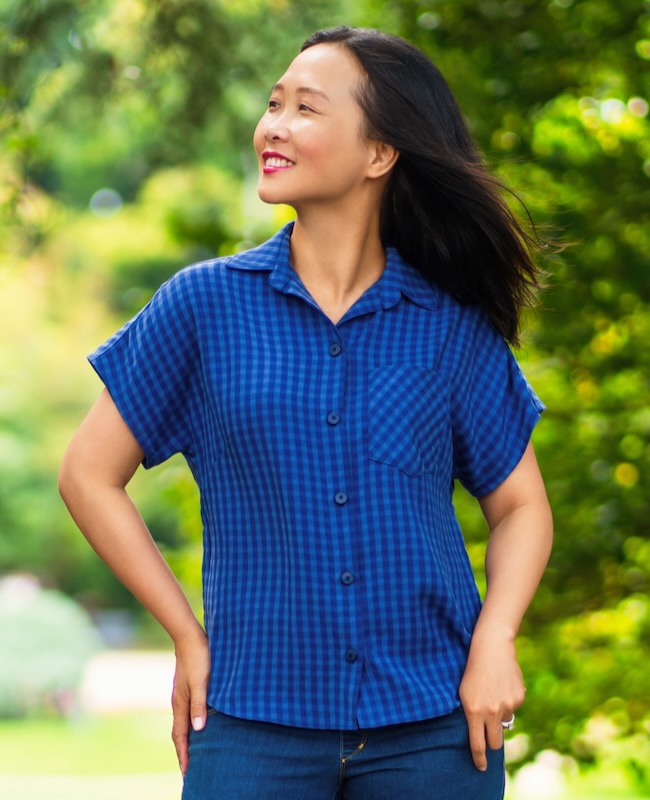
[273, 162]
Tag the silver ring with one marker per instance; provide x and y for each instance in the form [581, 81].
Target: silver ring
[509, 724]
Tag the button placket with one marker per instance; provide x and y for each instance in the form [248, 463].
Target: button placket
[333, 419]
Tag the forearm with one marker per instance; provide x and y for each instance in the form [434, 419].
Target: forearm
[99, 463]
[521, 535]
[517, 554]
[114, 528]
[521, 531]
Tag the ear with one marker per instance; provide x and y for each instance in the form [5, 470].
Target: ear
[382, 159]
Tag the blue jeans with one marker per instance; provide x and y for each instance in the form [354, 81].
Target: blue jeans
[237, 759]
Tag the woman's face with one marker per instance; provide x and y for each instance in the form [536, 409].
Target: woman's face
[310, 143]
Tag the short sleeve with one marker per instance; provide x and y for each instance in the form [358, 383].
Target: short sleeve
[150, 370]
[494, 410]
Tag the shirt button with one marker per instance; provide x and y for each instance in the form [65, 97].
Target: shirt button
[333, 418]
[335, 349]
[350, 655]
[347, 578]
[340, 498]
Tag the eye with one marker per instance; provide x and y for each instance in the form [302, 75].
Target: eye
[303, 107]
[273, 104]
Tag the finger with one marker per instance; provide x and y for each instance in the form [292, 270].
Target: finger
[180, 734]
[198, 709]
[477, 743]
[494, 731]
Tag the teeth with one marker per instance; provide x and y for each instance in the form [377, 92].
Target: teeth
[277, 162]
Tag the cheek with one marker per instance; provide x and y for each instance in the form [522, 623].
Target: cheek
[334, 144]
[317, 145]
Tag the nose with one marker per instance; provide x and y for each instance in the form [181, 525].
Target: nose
[277, 128]
[276, 132]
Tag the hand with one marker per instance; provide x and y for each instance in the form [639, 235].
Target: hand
[491, 690]
[189, 693]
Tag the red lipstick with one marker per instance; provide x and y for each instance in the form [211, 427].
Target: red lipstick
[268, 169]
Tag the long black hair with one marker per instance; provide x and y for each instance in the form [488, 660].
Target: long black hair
[442, 209]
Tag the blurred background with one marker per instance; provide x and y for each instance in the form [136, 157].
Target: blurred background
[125, 153]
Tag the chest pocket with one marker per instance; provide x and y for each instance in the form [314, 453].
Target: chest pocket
[408, 418]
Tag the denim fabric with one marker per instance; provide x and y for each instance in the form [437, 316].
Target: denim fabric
[239, 759]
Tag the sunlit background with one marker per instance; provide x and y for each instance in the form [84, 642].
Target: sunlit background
[125, 153]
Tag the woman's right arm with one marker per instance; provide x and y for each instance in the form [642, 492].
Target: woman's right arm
[99, 462]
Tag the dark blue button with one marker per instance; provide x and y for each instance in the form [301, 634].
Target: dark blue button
[347, 578]
[350, 655]
[335, 349]
[333, 418]
[340, 498]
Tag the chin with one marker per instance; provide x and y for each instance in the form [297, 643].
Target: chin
[270, 195]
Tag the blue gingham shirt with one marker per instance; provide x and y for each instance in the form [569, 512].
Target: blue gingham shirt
[337, 589]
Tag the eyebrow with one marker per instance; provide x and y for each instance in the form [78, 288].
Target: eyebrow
[304, 90]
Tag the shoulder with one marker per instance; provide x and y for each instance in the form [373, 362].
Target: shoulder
[193, 281]
[468, 326]
[205, 278]
[454, 316]
[471, 344]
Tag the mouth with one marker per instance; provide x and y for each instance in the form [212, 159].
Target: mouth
[273, 162]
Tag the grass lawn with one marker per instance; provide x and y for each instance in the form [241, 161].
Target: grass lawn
[108, 745]
[130, 757]
[165, 786]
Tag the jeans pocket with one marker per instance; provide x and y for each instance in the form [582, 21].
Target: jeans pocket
[408, 418]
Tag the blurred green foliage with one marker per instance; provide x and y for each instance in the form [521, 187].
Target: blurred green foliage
[155, 102]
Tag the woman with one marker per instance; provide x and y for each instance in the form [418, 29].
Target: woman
[326, 388]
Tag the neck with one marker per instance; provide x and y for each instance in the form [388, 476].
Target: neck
[337, 258]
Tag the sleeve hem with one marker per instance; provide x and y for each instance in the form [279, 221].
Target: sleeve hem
[484, 488]
[151, 458]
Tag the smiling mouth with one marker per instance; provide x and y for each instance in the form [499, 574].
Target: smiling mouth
[275, 162]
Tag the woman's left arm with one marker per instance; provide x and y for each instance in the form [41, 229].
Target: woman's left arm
[521, 534]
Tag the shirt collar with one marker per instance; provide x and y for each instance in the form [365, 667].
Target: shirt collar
[398, 278]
